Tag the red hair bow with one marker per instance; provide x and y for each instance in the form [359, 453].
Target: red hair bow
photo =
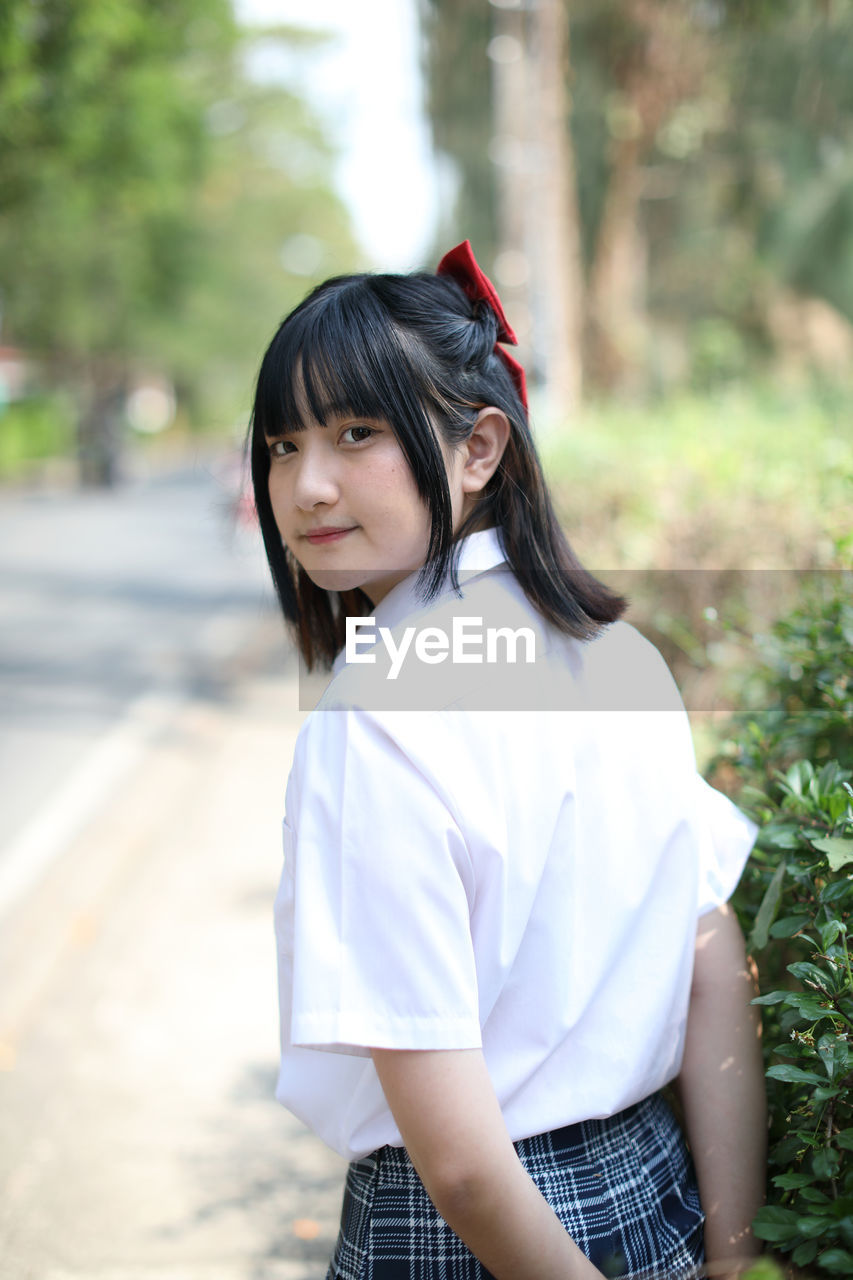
[461, 265]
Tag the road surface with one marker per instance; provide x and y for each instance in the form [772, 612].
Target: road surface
[112, 604]
[149, 712]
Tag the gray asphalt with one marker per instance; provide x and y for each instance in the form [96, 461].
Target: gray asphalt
[106, 597]
[139, 1137]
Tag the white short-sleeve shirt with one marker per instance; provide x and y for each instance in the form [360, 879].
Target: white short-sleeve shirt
[475, 861]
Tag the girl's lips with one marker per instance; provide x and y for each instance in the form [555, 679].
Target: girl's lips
[318, 537]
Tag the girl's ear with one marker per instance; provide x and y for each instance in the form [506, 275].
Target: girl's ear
[484, 448]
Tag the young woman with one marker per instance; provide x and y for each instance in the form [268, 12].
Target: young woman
[501, 924]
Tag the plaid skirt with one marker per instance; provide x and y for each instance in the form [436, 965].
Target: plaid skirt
[624, 1188]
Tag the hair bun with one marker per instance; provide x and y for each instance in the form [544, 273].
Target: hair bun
[468, 331]
[481, 334]
[485, 318]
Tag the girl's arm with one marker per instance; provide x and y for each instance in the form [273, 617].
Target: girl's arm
[451, 1124]
[722, 1092]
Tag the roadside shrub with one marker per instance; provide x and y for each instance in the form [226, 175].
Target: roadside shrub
[790, 758]
[699, 503]
[32, 430]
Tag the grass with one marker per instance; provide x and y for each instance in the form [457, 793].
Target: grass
[706, 511]
[752, 477]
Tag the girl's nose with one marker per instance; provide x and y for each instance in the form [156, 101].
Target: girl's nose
[315, 480]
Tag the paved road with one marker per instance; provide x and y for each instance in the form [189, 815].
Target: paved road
[112, 603]
[139, 1138]
[148, 719]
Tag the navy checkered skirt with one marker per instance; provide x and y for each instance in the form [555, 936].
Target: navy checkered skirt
[623, 1187]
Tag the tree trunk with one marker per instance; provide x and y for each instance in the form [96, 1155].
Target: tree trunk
[99, 429]
[617, 283]
[509, 151]
[539, 267]
[555, 217]
[664, 64]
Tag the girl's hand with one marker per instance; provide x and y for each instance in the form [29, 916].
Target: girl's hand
[451, 1124]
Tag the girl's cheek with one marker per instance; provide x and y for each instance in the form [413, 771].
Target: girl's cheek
[282, 507]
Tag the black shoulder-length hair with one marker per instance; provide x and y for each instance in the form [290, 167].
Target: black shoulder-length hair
[415, 351]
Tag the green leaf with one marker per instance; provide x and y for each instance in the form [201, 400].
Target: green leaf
[808, 1006]
[808, 972]
[838, 850]
[788, 926]
[788, 1148]
[838, 1261]
[829, 932]
[833, 1053]
[836, 890]
[828, 777]
[835, 806]
[782, 837]
[791, 1181]
[825, 1163]
[793, 1075]
[824, 1092]
[811, 1227]
[813, 1196]
[772, 997]
[805, 1253]
[844, 1139]
[763, 1269]
[768, 909]
[776, 1224]
[799, 776]
[752, 795]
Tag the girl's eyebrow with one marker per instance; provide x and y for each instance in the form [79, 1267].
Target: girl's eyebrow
[333, 416]
[290, 429]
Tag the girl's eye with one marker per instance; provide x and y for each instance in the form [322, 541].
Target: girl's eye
[281, 448]
[357, 435]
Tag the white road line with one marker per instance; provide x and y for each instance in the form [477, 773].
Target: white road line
[26, 860]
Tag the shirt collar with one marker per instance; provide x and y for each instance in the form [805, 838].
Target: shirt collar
[478, 553]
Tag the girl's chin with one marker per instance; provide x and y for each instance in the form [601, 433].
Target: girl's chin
[375, 584]
[337, 579]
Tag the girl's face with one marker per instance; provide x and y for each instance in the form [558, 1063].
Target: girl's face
[347, 507]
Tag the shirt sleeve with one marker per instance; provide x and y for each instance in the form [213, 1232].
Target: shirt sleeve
[726, 837]
[382, 948]
[722, 836]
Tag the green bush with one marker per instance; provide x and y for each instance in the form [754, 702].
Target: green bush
[32, 430]
[792, 756]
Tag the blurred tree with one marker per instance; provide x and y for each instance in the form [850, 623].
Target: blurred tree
[459, 105]
[517, 198]
[143, 203]
[539, 266]
[654, 54]
[267, 228]
[102, 132]
[751, 239]
[648, 54]
[556, 250]
[789, 139]
[712, 141]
